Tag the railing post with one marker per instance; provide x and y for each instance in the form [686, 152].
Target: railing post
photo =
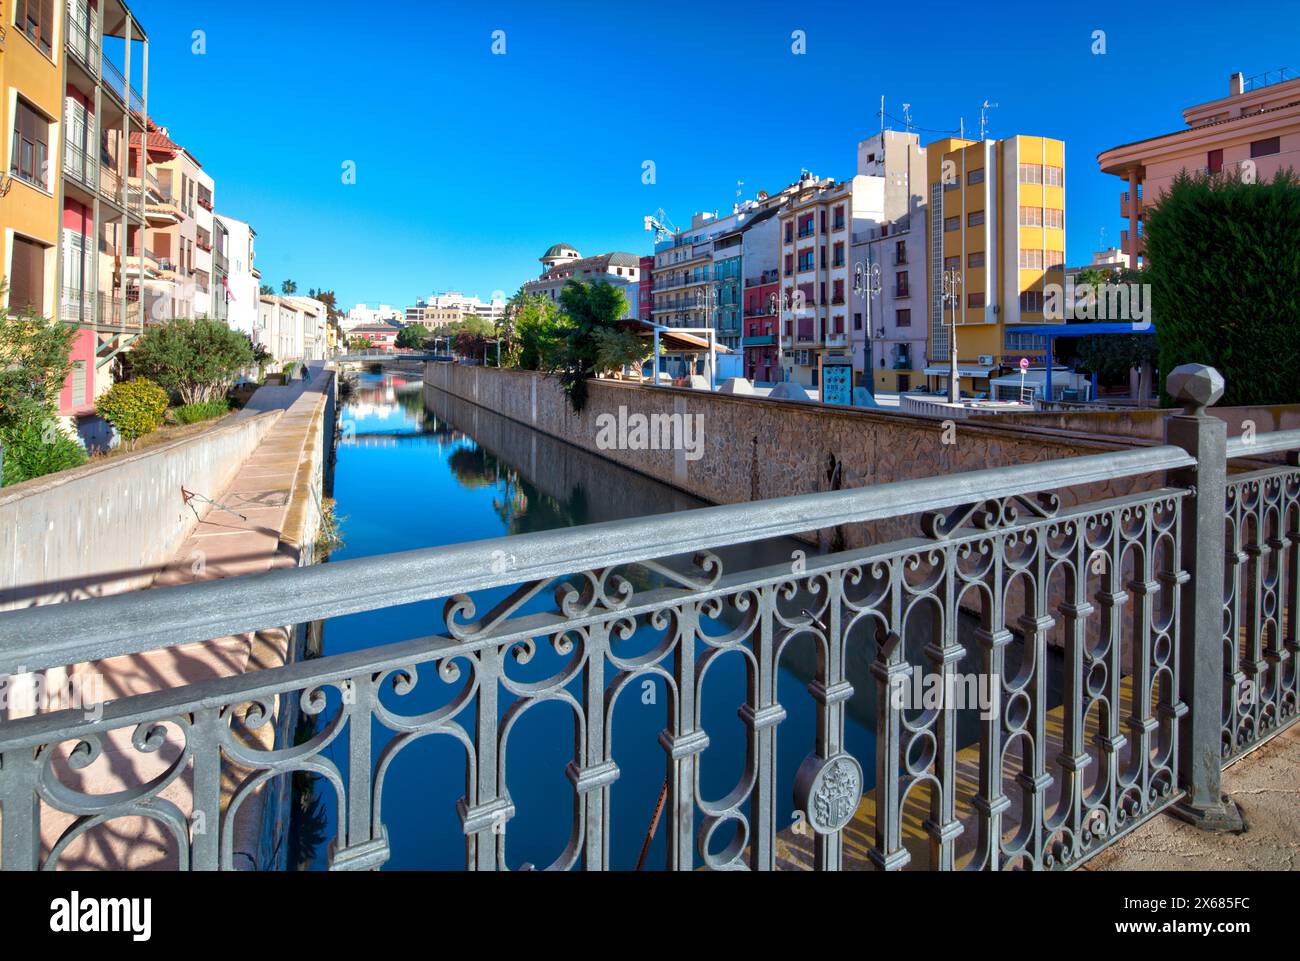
[1205, 437]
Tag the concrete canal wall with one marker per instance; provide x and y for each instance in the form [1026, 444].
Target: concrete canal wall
[753, 448]
[108, 526]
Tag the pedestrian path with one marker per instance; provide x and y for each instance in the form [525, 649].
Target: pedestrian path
[266, 517]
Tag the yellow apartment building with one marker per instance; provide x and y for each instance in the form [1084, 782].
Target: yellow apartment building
[31, 105]
[996, 235]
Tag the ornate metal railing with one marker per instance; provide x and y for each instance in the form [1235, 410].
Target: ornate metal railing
[1262, 596]
[1081, 618]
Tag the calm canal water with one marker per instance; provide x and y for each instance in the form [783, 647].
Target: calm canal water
[419, 468]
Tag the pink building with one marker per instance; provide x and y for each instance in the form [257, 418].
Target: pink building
[1251, 133]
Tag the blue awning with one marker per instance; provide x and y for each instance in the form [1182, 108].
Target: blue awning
[1080, 330]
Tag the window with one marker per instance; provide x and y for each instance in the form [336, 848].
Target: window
[975, 299]
[1031, 301]
[900, 284]
[974, 177]
[36, 19]
[30, 161]
[1263, 148]
[1031, 216]
[900, 252]
[839, 255]
[975, 218]
[806, 225]
[1031, 260]
[975, 259]
[806, 259]
[789, 263]
[839, 217]
[951, 223]
[1031, 173]
[1016, 340]
[1056, 260]
[27, 275]
[952, 263]
[903, 317]
[857, 321]
[837, 292]
[1214, 161]
[1053, 176]
[789, 231]
[1054, 218]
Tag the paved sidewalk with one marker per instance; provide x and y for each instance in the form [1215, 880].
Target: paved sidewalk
[273, 492]
[1266, 786]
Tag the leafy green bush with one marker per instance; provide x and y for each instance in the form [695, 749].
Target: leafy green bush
[203, 410]
[34, 448]
[1225, 282]
[193, 359]
[133, 407]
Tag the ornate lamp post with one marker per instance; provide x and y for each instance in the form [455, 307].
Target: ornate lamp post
[952, 295]
[706, 299]
[786, 304]
[866, 284]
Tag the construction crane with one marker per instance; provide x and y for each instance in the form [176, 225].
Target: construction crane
[660, 224]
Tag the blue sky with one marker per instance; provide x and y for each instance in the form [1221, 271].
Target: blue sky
[469, 164]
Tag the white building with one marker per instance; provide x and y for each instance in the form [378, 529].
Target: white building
[889, 330]
[363, 316]
[243, 279]
[451, 307]
[292, 328]
[562, 263]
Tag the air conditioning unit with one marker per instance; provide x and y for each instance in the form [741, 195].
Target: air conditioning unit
[986, 360]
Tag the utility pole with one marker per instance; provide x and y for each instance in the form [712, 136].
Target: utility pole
[952, 294]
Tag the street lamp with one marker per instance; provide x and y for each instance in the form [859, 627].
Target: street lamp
[952, 295]
[786, 304]
[706, 300]
[866, 284]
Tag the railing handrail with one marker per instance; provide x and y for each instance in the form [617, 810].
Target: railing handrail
[37, 638]
[1270, 442]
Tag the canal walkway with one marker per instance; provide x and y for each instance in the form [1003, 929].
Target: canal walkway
[269, 517]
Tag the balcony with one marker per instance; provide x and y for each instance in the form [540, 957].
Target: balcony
[840, 339]
[1126, 203]
[899, 259]
[1128, 249]
[79, 165]
[83, 45]
[766, 277]
[114, 312]
[110, 184]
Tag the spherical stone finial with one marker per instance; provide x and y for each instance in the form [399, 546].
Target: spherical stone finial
[1195, 385]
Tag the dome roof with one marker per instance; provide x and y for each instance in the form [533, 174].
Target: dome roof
[560, 250]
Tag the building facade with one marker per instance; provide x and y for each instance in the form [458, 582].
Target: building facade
[562, 263]
[995, 233]
[888, 331]
[1252, 133]
[817, 225]
[243, 281]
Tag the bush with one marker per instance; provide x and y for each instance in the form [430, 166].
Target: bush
[195, 360]
[34, 448]
[203, 410]
[133, 407]
[1225, 283]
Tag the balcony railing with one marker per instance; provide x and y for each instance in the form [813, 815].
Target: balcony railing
[113, 78]
[110, 184]
[79, 165]
[116, 312]
[1118, 602]
[82, 43]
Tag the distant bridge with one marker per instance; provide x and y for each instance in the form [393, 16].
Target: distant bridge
[371, 356]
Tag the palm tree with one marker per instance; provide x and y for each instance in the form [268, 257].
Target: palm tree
[288, 287]
[267, 290]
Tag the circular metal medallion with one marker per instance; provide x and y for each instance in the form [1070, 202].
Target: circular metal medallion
[828, 790]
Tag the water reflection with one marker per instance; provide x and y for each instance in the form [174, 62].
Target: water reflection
[419, 468]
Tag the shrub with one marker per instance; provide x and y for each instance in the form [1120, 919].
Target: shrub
[194, 359]
[1225, 282]
[34, 363]
[203, 410]
[34, 448]
[133, 407]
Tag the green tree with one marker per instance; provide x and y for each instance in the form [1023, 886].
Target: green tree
[358, 343]
[36, 447]
[1109, 356]
[35, 362]
[196, 360]
[1225, 277]
[531, 329]
[266, 290]
[413, 336]
[288, 287]
[591, 312]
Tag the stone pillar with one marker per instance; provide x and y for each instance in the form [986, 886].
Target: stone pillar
[1200, 758]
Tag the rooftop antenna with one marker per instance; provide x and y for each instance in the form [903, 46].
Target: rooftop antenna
[1102, 239]
[882, 113]
[907, 117]
[984, 107]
